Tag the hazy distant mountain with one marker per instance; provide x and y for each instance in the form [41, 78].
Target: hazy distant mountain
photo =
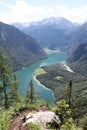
[78, 59]
[58, 33]
[78, 36]
[22, 49]
[51, 32]
[59, 22]
[79, 54]
[19, 25]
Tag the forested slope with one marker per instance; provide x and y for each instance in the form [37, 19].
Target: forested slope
[22, 49]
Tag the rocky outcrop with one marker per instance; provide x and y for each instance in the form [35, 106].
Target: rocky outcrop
[43, 118]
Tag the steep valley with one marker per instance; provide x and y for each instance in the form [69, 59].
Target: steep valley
[50, 74]
[22, 49]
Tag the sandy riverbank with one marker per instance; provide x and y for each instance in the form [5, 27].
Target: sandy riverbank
[48, 51]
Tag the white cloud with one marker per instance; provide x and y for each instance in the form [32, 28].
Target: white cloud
[74, 14]
[23, 12]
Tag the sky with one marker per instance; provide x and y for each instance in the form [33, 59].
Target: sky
[26, 11]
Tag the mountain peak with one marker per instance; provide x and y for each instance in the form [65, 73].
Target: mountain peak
[58, 22]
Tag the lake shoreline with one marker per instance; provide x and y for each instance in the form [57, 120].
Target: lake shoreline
[65, 66]
[35, 78]
[26, 74]
[48, 51]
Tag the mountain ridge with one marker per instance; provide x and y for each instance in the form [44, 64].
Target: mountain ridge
[79, 53]
[22, 49]
[78, 59]
[59, 21]
[45, 31]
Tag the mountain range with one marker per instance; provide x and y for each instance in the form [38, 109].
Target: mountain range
[60, 33]
[53, 33]
[22, 49]
[57, 32]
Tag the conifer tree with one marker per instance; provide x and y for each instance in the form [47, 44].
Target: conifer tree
[7, 82]
[30, 92]
[4, 77]
[14, 93]
[32, 95]
[70, 93]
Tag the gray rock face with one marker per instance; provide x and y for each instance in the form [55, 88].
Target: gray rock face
[43, 119]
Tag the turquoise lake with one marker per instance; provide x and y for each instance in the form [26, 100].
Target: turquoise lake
[25, 75]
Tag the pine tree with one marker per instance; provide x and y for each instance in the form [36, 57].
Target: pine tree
[31, 95]
[70, 93]
[4, 77]
[7, 82]
[14, 93]
[30, 92]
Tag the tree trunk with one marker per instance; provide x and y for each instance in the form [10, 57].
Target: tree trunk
[5, 95]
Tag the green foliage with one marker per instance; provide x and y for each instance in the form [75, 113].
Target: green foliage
[40, 71]
[14, 93]
[8, 83]
[69, 94]
[21, 106]
[6, 115]
[79, 91]
[4, 77]
[83, 122]
[32, 126]
[63, 110]
[68, 125]
[32, 95]
[18, 107]
[58, 77]
[5, 118]
[29, 98]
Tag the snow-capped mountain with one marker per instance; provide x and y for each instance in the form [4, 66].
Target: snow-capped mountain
[57, 21]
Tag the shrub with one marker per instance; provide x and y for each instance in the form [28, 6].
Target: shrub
[32, 126]
[83, 122]
[62, 109]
